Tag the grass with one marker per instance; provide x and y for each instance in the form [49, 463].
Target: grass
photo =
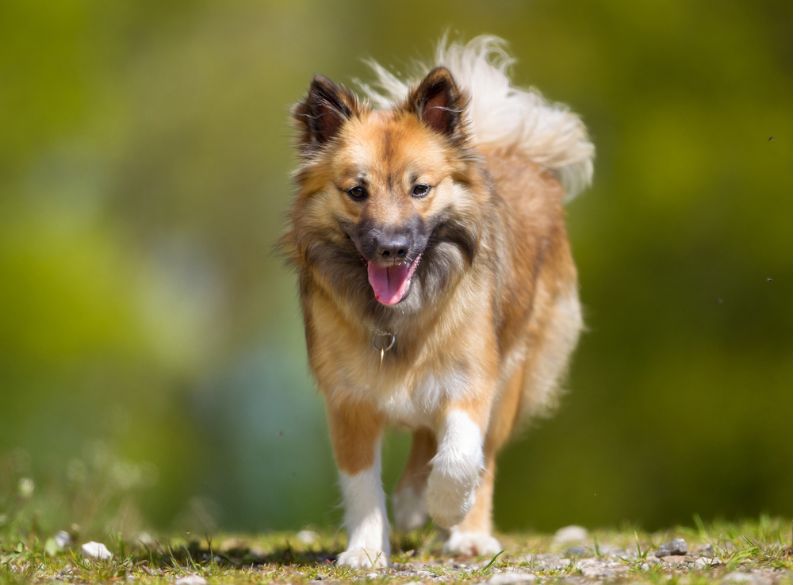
[755, 551]
[102, 499]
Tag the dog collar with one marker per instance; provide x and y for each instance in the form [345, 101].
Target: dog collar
[383, 340]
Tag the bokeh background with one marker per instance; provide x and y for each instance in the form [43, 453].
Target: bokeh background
[152, 365]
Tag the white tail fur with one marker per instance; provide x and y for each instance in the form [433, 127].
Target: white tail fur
[500, 114]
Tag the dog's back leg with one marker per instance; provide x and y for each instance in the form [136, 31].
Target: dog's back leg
[409, 495]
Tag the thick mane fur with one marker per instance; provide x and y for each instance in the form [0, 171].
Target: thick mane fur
[499, 114]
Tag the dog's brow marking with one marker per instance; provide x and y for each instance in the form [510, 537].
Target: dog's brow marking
[388, 144]
[387, 155]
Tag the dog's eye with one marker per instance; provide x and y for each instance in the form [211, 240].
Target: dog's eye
[357, 193]
[420, 190]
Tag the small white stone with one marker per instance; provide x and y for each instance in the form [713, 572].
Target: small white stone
[570, 535]
[96, 550]
[511, 577]
[192, 579]
[307, 536]
[62, 539]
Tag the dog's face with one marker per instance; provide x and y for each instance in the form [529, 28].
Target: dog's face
[385, 212]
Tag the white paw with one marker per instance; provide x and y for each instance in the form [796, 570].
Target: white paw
[471, 544]
[409, 509]
[449, 498]
[363, 558]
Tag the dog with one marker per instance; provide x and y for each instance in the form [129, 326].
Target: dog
[436, 279]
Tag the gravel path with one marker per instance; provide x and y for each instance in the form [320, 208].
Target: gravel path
[755, 553]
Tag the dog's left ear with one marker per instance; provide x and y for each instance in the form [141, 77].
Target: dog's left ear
[439, 103]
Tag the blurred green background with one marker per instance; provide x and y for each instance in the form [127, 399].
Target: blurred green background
[152, 364]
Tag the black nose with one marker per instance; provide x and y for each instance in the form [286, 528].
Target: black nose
[393, 246]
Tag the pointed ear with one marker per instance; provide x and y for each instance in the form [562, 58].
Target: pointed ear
[439, 103]
[321, 114]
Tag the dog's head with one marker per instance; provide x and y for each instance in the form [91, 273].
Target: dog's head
[386, 209]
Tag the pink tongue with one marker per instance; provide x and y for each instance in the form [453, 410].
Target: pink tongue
[389, 284]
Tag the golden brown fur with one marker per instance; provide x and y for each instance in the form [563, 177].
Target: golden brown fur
[491, 315]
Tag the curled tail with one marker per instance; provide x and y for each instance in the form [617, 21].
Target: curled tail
[502, 115]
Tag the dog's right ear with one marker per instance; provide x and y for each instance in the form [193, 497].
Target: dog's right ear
[321, 114]
[440, 104]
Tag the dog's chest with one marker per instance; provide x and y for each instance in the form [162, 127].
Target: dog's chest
[417, 400]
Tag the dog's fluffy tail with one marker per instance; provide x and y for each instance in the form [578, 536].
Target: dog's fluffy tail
[503, 115]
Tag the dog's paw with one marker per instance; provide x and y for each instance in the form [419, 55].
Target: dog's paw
[409, 508]
[363, 558]
[449, 498]
[471, 544]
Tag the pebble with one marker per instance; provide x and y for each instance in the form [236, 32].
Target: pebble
[62, 539]
[707, 550]
[510, 578]
[192, 579]
[307, 536]
[96, 550]
[674, 547]
[570, 535]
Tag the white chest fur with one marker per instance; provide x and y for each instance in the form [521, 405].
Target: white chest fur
[416, 400]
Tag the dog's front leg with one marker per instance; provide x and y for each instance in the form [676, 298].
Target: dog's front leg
[356, 437]
[457, 466]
